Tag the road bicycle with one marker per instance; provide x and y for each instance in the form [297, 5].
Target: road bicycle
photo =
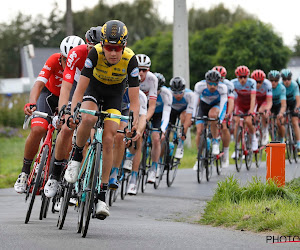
[89, 178]
[169, 162]
[41, 168]
[205, 158]
[243, 144]
[258, 133]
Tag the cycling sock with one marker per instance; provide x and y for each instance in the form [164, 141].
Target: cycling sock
[114, 172]
[57, 169]
[26, 165]
[154, 166]
[298, 144]
[103, 191]
[133, 177]
[180, 143]
[78, 153]
[129, 156]
[226, 150]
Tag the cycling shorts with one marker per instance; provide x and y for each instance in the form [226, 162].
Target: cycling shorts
[275, 109]
[290, 105]
[156, 120]
[204, 110]
[174, 115]
[47, 103]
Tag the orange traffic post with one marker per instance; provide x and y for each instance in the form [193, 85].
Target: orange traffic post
[276, 162]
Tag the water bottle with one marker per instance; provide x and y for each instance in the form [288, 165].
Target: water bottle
[208, 141]
[171, 146]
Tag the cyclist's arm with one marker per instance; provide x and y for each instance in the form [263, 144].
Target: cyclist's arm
[151, 109]
[269, 102]
[297, 101]
[230, 104]
[142, 124]
[64, 94]
[187, 122]
[252, 102]
[36, 91]
[82, 85]
[223, 103]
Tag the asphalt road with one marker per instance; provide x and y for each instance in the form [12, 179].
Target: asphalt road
[158, 219]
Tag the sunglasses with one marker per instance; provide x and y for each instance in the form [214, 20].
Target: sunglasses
[110, 48]
[243, 77]
[177, 92]
[259, 82]
[144, 70]
[274, 80]
[286, 79]
[212, 83]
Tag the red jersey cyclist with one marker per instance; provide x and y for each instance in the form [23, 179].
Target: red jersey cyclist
[245, 88]
[44, 97]
[264, 100]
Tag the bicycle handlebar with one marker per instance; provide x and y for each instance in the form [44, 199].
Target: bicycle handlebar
[205, 118]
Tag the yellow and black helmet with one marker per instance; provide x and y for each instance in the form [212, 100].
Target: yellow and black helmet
[114, 31]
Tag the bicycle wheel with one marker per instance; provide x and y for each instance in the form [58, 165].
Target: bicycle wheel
[208, 165]
[45, 201]
[249, 156]
[159, 174]
[143, 168]
[90, 195]
[111, 193]
[201, 158]
[46, 207]
[172, 167]
[124, 185]
[37, 180]
[258, 154]
[64, 204]
[238, 150]
[219, 159]
[294, 144]
[80, 215]
[288, 143]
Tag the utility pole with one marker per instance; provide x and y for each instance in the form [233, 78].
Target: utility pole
[69, 19]
[181, 48]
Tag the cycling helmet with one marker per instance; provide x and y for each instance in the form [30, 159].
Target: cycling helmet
[143, 61]
[177, 83]
[161, 80]
[69, 43]
[286, 73]
[258, 75]
[274, 74]
[213, 76]
[92, 36]
[114, 31]
[221, 69]
[242, 71]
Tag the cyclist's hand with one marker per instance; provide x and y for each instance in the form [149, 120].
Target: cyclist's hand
[29, 108]
[136, 135]
[71, 123]
[280, 115]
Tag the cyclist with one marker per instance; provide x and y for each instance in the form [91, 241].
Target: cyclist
[292, 101]
[103, 77]
[213, 103]
[75, 63]
[44, 97]
[264, 100]
[279, 101]
[182, 108]
[119, 146]
[160, 119]
[245, 89]
[225, 133]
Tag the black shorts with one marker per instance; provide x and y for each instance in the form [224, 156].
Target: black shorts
[275, 109]
[156, 120]
[291, 106]
[112, 95]
[174, 115]
[204, 108]
[47, 102]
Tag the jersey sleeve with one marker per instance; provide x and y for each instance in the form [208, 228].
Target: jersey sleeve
[190, 98]
[143, 103]
[269, 89]
[153, 81]
[296, 89]
[133, 72]
[48, 69]
[90, 63]
[167, 98]
[223, 102]
[230, 88]
[282, 93]
[253, 86]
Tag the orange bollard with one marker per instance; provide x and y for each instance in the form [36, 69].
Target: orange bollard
[276, 162]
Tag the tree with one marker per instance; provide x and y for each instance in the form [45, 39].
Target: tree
[297, 47]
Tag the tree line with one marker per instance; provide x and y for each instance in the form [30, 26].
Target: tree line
[217, 36]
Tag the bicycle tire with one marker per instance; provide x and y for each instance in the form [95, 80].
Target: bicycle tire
[208, 165]
[123, 186]
[80, 216]
[249, 156]
[43, 205]
[64, 205]
[258, 155]
[159, 175]
[37, 180]
[90, 196]
[294, 145]
[46, 208]
[218, 161]
[238, 150]
[288, 143]
[172, 166]
[201, 158]
[144, 174]
[110, 196]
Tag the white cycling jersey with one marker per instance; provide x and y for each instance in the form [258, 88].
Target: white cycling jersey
[149, 86]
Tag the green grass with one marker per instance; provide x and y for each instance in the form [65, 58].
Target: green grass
[257, 207]
[11, 158]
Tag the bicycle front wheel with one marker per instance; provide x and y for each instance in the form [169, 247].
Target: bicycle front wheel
[37, 180]
[249, 156]
[90, 195]
[201, 158]
[64, 205]
[288, 143]
[258, 154]
[239, 152]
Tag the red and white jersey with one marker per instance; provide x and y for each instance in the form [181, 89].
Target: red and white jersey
[52, 74]
[75, 63]
[149, 86]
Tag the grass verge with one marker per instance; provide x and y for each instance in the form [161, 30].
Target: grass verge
[258, 206]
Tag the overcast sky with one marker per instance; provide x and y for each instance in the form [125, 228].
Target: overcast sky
[283, 15]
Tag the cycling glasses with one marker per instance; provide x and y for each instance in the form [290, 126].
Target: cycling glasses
[212, 83]
[243, 77]
[274, 80]
[286, 79]
[177, 92]
[259, 82]
[116, 48]
[144, 70]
